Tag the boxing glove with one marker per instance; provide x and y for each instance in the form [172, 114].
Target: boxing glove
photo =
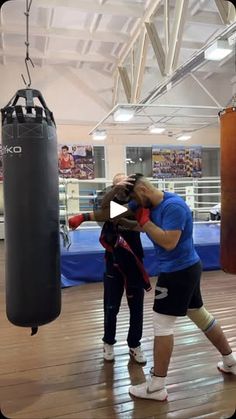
[75, 221]
[142, 215]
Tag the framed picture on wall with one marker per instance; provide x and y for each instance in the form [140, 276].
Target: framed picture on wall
[176, 162]
[76, 161]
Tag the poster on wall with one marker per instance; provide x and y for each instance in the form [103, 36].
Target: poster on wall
[76, 161]
[172, 162]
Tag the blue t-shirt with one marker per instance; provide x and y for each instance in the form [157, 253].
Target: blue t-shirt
[174, 214]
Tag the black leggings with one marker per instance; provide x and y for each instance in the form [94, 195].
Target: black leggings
[113, 292]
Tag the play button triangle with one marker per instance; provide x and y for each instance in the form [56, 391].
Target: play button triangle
[116, 209]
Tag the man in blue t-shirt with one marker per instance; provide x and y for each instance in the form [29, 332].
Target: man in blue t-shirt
[167, 220]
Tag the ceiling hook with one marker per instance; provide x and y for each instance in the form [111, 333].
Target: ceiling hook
[28, 72]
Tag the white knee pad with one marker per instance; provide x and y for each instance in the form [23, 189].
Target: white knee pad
[163, 324]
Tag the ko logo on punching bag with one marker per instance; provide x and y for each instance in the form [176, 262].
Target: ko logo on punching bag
[31, 211]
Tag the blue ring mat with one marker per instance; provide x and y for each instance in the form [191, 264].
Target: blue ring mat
[83, 262]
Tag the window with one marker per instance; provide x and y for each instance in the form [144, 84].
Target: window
[210, 167]
[210, 162]
[99, 157]
[139, 160]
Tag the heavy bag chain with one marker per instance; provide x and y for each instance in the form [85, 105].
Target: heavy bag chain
[27, 44]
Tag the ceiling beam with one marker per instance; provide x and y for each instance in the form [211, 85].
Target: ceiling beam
[139, 68]
[96, 19]
[84, 35]
[180, 36]
[188, 44]
[222, 7]
[81, 35]
[196, 7]
[205, 18]
[204, 88]
[176, 35]
[119, 8]
[125, 82]
[167, 24]
[61, 55]
[191, 65]
[137, 30]
[115, 89]
[95, 22]
[202, 18]
[157, 46]
[132, 85]
[232, 13]
[206, 67]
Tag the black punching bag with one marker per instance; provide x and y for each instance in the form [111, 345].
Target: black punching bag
[31, 211]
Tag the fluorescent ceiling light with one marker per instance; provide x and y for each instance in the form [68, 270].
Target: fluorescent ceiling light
[153, 129]
[99, 135]
[123, 115]
[183, 137]
[217, 51]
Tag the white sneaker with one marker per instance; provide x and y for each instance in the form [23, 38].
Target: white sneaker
[225, 368]
[108, 352]
[142, 391]
[138, 355]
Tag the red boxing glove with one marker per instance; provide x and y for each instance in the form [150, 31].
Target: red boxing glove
[75, 221]
[142, 215]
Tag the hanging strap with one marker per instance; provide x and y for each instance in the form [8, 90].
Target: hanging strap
[19, 114]
[39, 114]
[7, 114]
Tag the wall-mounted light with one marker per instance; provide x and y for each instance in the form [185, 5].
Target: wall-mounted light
[183, 137]
[154, 129]
[217, 51]
[123, 115]
[99, 135]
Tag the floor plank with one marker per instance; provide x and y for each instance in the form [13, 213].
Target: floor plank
[60, 372]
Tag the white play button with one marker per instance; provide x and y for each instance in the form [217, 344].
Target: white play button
[116, 209]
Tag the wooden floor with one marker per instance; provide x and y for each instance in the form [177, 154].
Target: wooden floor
[60, 372]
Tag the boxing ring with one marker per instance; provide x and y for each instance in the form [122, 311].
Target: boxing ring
[83, 262]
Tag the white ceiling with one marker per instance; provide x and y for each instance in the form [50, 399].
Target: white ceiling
[90, 39]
